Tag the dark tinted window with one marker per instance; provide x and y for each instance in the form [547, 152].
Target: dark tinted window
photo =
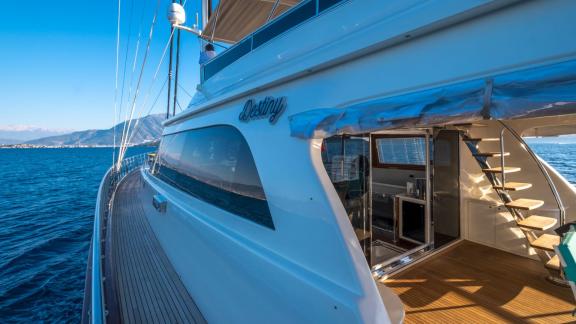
[215, 165]
[325, 4]
[228, 57]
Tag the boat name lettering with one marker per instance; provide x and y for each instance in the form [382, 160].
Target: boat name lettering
[271, 108]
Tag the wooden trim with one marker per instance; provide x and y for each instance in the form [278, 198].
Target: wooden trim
[376, 161]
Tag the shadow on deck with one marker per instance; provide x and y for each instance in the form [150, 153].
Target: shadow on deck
[472, 283]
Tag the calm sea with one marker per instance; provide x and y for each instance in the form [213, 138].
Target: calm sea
[46, 209]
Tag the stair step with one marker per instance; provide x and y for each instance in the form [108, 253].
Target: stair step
[546, 242]
[538, 223]
[491, 154]
[499, 170]
[525, 204]
[514, 186]
[482, 139]
[553, 263]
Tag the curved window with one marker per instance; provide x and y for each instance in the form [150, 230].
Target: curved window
[214, 164]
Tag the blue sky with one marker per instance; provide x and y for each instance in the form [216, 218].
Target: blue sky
[57, 60]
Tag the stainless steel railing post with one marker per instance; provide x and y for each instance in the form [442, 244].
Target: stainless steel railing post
[502, 163]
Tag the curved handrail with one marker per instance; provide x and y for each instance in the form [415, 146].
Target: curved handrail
[107, 187]
[543, 170]
[97, 297]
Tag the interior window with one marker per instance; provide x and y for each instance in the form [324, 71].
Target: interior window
[401, 150]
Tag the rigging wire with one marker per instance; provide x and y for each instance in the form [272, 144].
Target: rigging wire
[145, 59]
[126, 55]
[116, 83]
[136, 52]
[126, 59]
[186, 92]
[130, 132]
[215, 23]
[157, 97]
[151, 108]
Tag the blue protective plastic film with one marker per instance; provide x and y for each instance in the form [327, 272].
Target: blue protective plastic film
[537, 92]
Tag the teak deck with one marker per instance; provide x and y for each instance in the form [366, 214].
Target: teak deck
[472, 283]
[147, 288]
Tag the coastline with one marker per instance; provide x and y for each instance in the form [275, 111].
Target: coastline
[35, 146]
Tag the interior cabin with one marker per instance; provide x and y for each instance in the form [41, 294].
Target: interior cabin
[443, 226]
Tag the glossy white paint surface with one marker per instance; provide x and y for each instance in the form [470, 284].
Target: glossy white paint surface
[311, 268]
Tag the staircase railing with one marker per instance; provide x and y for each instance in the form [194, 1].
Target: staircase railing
[108, 185]
[502, 163]
[543, 170]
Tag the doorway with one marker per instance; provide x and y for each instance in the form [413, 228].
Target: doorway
[393, 202]
[446, 187]
[399, 191]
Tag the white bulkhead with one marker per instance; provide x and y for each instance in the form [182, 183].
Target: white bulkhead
[310, 268]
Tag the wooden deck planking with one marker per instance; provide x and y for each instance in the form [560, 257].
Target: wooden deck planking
[472, 283]
[148, 288]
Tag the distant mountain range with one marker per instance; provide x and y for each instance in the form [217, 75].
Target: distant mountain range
[149, 130]
[14, 134]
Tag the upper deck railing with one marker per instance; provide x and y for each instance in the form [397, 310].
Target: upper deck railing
[297, 15]
[108, 185]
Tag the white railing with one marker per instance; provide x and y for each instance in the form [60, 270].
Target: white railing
[108, 185]
[130, 164]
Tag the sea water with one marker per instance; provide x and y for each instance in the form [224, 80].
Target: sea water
[47, 199]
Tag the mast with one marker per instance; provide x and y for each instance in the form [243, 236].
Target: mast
[170, 70]
[177, 69]
[206, 12]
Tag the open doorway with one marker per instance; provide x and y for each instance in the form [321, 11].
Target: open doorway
[385, 183]
[399, 185]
